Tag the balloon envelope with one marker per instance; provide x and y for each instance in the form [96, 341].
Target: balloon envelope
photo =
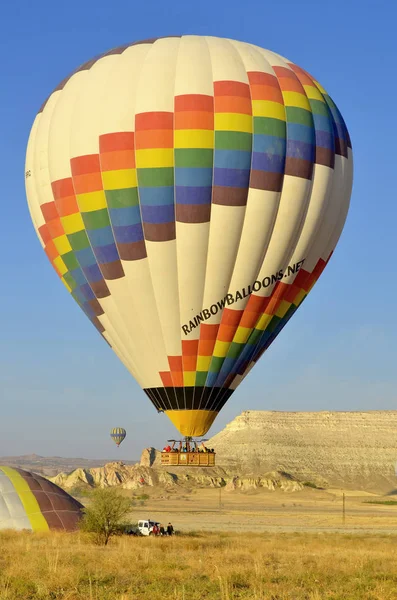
[118, 435]
[189, 192]
[28, 501]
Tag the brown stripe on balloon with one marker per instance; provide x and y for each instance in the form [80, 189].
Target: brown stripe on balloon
[132, 250]
[96, 307]
[298, 167]
[97, 324]
[159, 232]
[325, 156]
[229, 196]
[112, 270]
[193, 213]
[264, 180]
[340, 147]
[100, 288]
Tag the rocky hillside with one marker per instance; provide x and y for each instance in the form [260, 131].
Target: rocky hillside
[149, 473]
[346, 449]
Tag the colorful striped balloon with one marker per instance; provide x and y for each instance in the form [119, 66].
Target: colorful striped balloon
[189, 192]
[118, 435]
[28, 501]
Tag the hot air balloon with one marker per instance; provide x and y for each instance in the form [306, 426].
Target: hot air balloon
[29, 501]
[118, 434]
[189, 192]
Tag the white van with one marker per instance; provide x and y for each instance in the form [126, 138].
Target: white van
[146, 526]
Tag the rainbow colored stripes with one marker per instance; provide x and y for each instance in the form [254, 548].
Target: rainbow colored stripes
[117, 160]
[193, 143]
[178, 179]
[233, 143]
[269, 129]
[155, 170]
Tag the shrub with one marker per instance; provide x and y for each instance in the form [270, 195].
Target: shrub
[106, 514]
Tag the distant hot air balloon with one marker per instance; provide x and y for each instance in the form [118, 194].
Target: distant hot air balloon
[118, 434]
[29, 501]
[189, 192]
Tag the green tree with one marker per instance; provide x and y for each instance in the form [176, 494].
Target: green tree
[106, 514]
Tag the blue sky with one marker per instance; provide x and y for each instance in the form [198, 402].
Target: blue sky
[61, 388]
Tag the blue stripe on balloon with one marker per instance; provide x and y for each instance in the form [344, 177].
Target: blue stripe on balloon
[193, 195]
[193, 176]
[93, 273]
[211, 378]
[158, 214]
[106, 254]
[325, 139]
[87, 291]
[269, 144]
[231, 177]
[300, 133]
[128, 233]
[322, 123]
[85, 257]
[232, 159]
[300, 150]
[271, 163]
[78, 276]
[79, 295]
[130, 215]
[101, 237]
[226, 369]
[156, 196]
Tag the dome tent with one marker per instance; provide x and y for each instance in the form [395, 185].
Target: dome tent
[29, 501]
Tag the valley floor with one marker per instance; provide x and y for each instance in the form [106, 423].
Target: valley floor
[260, 511]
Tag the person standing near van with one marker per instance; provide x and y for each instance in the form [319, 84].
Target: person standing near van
[170, 529]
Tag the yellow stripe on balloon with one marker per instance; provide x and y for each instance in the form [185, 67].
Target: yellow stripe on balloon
[194, 138]
[119, 180]
[72, 223]
[267, 108]
[28, 500]
[92, 201]
[154, 158]
[296, 99]
[233, 122]
[62, 244]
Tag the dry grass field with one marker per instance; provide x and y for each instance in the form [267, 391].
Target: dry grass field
[217, 566]
[255, 545]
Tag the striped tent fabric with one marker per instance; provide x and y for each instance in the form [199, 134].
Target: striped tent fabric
[29, 501]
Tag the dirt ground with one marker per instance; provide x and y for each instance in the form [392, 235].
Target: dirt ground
[309, 510]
